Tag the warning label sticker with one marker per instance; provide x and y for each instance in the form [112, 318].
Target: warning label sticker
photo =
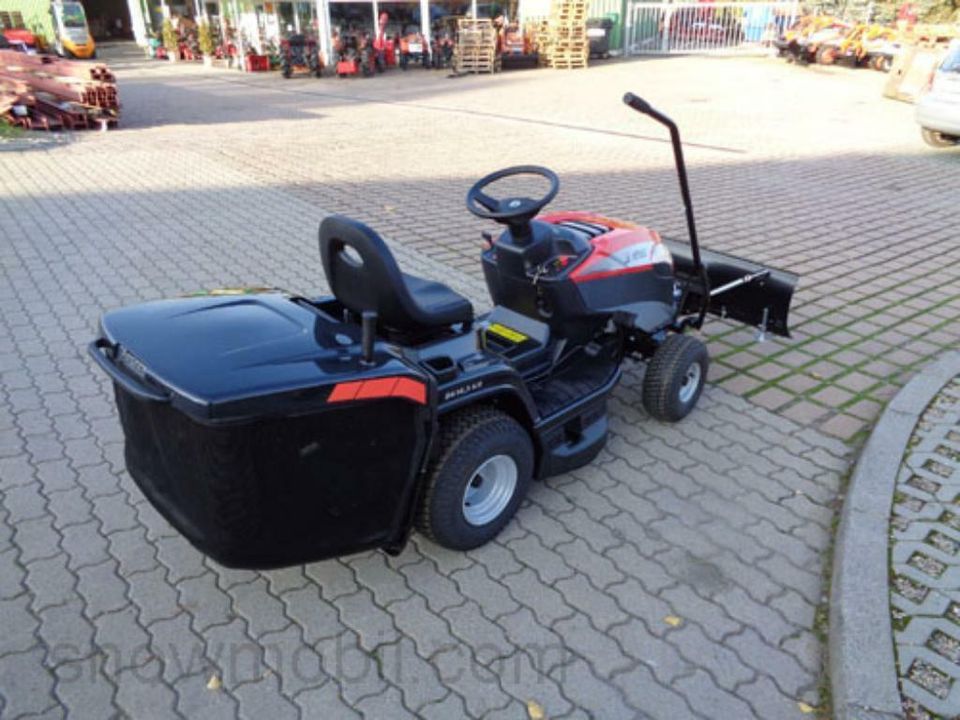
[507, 333]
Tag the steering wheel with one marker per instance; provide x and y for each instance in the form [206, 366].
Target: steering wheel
[514, 211]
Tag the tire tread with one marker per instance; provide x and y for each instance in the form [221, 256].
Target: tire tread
[454, 430]
[669, 359]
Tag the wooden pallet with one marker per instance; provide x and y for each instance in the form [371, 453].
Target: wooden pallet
[567, 31]
[569, 9]
[472, 31]
[475, 66]
[476, 34]
[567, 50]
[476, 46]
[476, 69]
[478, 56]
[568, 42]
[569, 17]
[570, 47]
[567, 64]
[476, 59]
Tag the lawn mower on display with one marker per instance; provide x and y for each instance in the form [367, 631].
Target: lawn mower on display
[298, 54]
[355, 54]
[273, 429]
[413, 49]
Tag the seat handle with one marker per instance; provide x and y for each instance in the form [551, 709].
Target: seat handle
[368, 325]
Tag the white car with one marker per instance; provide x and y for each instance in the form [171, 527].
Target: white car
[938, 109]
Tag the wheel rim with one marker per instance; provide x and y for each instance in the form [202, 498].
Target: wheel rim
[489, 490]
[691, 382]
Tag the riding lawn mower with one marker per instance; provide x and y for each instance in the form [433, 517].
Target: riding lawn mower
[298, 54]
[273, 429]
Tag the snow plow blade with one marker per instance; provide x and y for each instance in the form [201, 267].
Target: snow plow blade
[740, 289]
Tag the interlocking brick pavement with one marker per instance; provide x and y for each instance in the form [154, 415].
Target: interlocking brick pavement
[720, 521]
[925, 542]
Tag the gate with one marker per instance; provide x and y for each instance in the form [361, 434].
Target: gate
[654, 28]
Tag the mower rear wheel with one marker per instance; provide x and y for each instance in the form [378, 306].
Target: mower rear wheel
[478, 480]
[675, 378]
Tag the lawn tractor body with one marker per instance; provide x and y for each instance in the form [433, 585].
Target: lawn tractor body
[273, 429]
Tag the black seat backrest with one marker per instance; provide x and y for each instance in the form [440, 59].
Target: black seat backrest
[363, 274]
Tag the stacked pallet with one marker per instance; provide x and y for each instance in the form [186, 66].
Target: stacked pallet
[565, 35]
[45, 92]
[539, 29]
[476, 50]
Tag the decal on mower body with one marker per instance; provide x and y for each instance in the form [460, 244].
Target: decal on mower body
[379, 388]
[131, 363]
[462, 390]
[620, 252]
[514, 336]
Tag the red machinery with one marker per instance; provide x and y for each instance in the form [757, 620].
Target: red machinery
[356, 54]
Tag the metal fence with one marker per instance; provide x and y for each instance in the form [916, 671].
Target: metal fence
[705, 27]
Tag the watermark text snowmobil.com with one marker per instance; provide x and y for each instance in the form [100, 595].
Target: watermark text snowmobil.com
[236, 663]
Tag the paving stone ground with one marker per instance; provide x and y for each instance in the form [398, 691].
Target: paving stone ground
[677, 576]
[925, 543]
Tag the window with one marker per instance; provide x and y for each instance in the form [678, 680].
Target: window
[952, 62]
[73, 16]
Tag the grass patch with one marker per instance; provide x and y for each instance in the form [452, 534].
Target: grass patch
[10, 132]
[821, 616]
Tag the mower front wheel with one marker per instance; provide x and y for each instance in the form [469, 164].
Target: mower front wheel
[481, 475]
[675, 378]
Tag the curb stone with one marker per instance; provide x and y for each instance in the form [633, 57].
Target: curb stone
[863, 671]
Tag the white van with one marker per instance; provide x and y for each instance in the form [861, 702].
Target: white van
[938, 109]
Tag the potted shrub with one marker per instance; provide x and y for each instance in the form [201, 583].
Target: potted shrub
[154, 43]
[171, 42]
[206, 44]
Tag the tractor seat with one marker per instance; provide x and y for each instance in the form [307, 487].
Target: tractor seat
[363, 275]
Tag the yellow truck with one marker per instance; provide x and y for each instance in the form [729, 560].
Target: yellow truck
[57, 25]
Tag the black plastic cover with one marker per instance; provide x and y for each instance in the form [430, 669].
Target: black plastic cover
[222, 358]
[247, 428]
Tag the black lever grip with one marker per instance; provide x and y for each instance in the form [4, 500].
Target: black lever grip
[637, 103]
[641, 105]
